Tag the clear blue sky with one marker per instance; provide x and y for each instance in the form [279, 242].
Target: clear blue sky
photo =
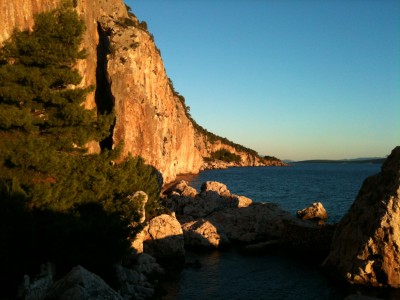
[293, 79]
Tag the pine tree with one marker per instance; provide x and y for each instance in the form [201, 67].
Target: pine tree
[46, 176]
[44, 126]
[39, 92]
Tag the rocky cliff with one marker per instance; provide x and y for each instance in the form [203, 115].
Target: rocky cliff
[366, 245]
[127, 69]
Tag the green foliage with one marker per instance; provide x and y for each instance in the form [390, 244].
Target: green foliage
[128, 8]
[129, 22]
[55, 41]
[271, 158]
[143, 26]
[226, 156]
[46, 176]
[38, 90]
[94, 178]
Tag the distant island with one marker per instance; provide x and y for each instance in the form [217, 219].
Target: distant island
[374, 160]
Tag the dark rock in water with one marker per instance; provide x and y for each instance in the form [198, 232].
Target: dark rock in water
[312, 241]
[366, 245]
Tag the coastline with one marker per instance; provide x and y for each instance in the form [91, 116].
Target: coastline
[217, 165]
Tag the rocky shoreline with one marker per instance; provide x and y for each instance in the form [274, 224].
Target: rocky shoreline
[220, 164]
[211, 219]
[215, 218]
[362, 249]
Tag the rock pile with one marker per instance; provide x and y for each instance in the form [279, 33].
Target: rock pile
[216, 218]
[80, 284]
[134, 282]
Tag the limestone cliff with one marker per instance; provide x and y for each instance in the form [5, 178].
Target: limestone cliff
[127, 69]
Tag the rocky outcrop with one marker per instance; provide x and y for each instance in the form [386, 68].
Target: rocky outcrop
[162, 238]
[216, 218]
[366, 245]
[202, 233]
[165, 239]
[135, 282]
[137, 279]
[126, 67]
[314, 212]
[80, 284]
[37, 288]
[214, 196]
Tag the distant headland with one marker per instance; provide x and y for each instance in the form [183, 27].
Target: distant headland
[371, 160]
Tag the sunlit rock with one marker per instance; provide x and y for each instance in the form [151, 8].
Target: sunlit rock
[366, 245]
[314, 212]
[202, 233]
[164, 238]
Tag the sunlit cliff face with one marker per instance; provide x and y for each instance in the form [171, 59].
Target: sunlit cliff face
[125, 66]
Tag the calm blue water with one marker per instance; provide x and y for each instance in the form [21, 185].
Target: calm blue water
[230, 275]
[297, 186]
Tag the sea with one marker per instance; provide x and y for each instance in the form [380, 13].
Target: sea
[231, 275]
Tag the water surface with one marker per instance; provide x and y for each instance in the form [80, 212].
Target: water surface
[230, 275]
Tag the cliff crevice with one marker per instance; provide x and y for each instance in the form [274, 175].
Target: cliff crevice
[103, 97]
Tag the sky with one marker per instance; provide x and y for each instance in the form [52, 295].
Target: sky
[293, 79]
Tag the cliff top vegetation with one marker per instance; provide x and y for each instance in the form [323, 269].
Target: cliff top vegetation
[211, 137]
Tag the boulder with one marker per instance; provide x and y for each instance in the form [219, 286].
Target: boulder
[178, 196]
[314, 212]
[161, 238]
[130, 281]
[240, 201]
[139, 280]
[164, 238]
[147, 265]
[181, 188]
[202, 233]
[366, 245]
[213, 186]
[80, 284]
